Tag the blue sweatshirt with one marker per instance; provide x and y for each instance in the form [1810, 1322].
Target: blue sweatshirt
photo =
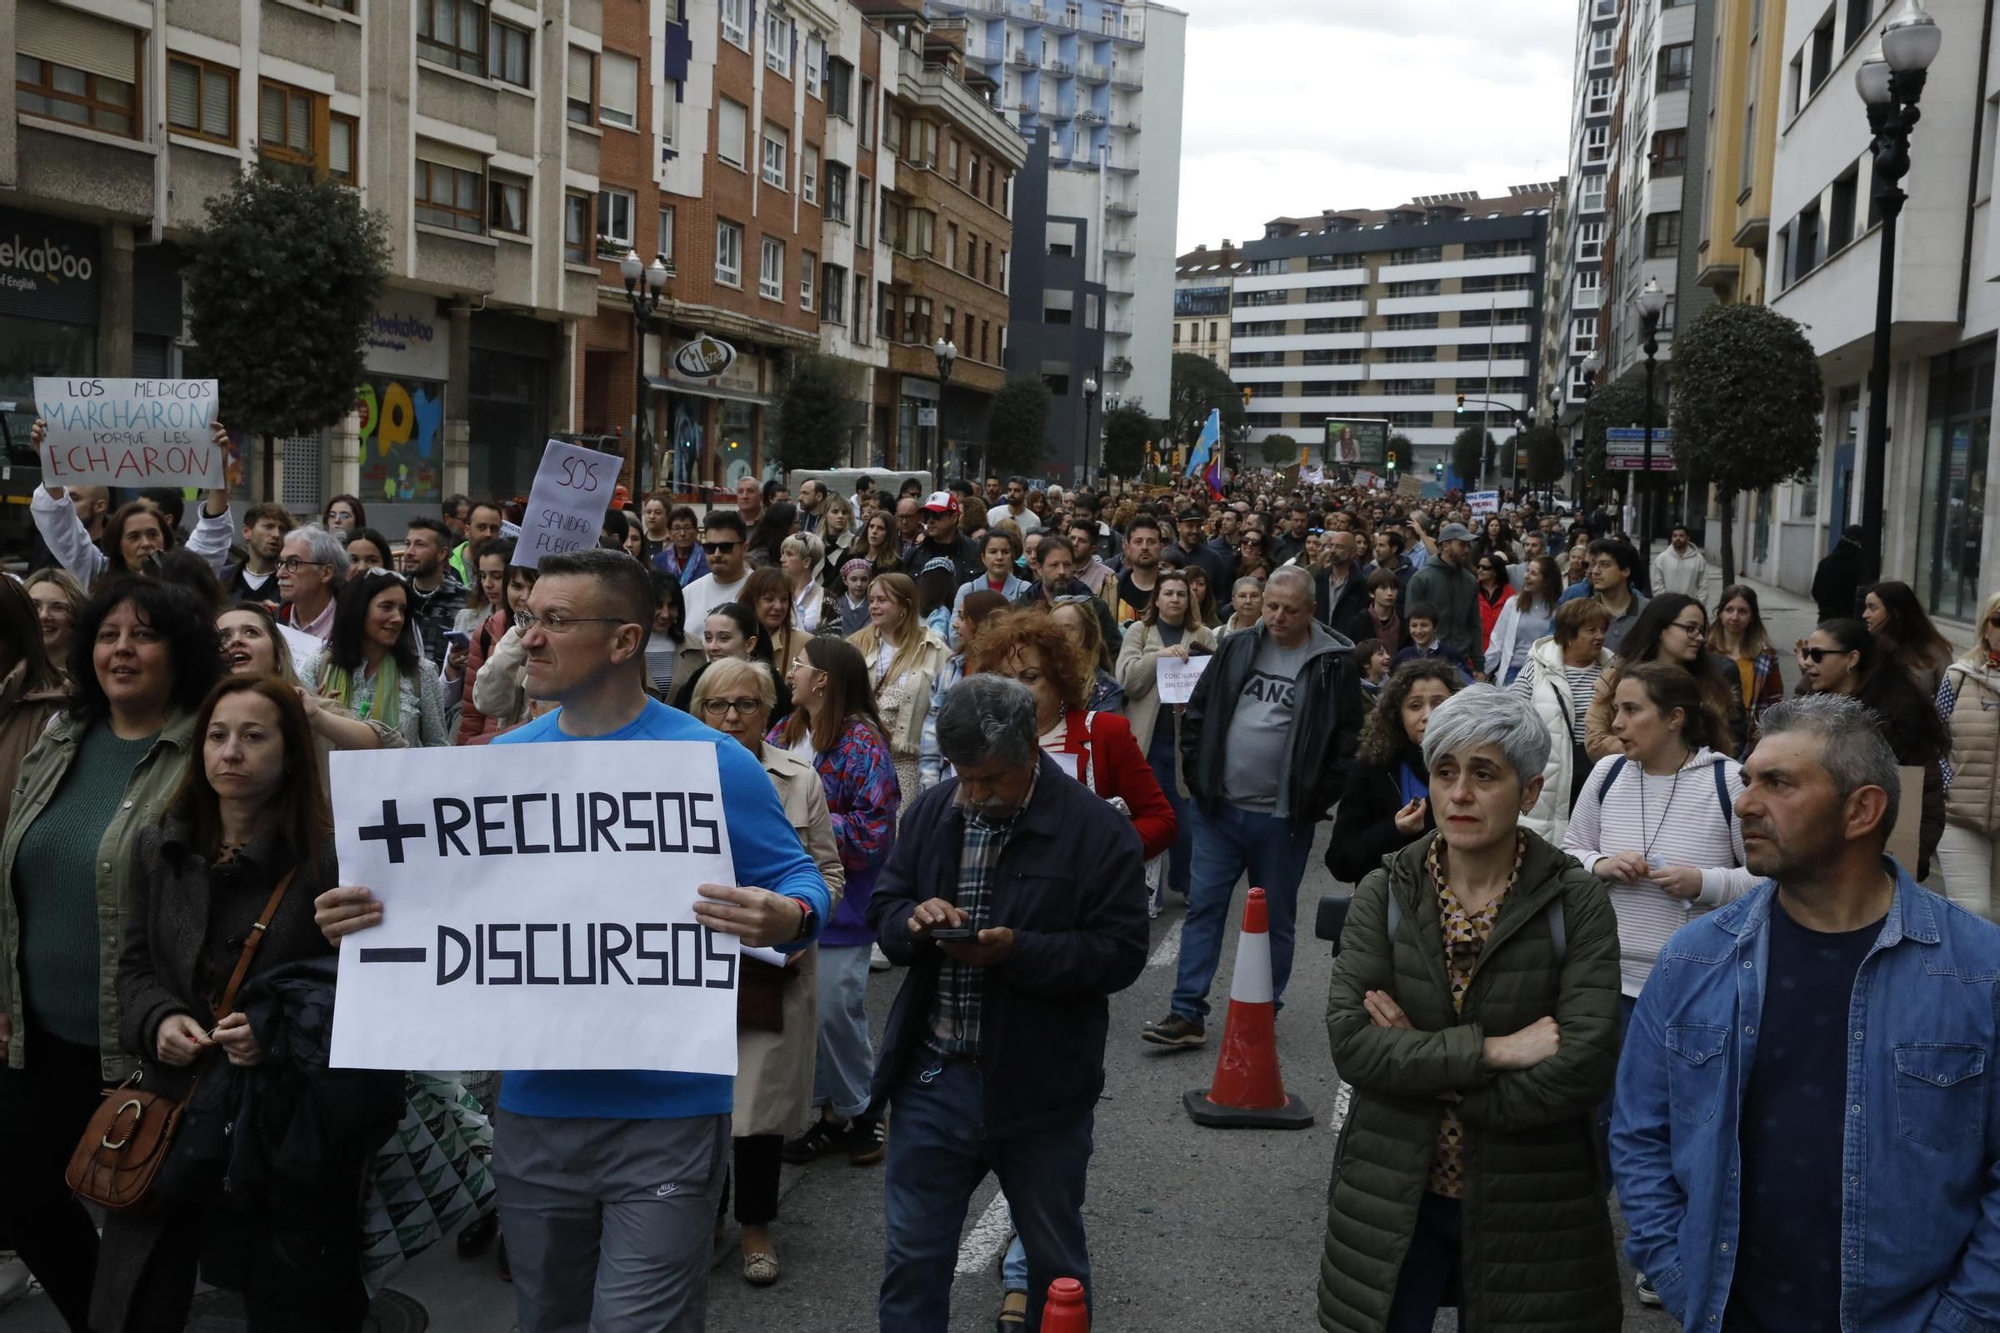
[767, 853]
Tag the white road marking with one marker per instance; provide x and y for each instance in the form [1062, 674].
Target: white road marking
[1169, 951]
[989, 1236]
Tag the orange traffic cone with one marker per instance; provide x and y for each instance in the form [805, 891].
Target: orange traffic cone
[1065, 1311]
[1249, 1092]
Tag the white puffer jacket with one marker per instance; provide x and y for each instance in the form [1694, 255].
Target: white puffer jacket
[1552, 703]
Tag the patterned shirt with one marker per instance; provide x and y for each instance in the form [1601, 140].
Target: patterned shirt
[961, 986]
[1464, 936]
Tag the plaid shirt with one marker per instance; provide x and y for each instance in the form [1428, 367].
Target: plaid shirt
[955, 1017]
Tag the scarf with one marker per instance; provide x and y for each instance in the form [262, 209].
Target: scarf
[385, 706]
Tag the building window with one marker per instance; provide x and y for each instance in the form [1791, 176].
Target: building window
[449, 197]
[839, 88]
[736, 23]
[1603, 44]
[507, 204]
[77, 68]
[731, 120]
[728, 254]
[1805, 241]
[1951, 535]
[815, 54]
[1590, 241]
[776, 156]
[808, 273]
[201, 99]
[342, 133]
[1670, 153]
[1597, 98]
[864, 121]
[288, 125]
[833, 281]
[579, 237]
[581, 95]
[1840, 220]
[1426, 320]
[1676, 63]
[1587, 286]
[1663, 235]
[1820, 45]
[836, 191]
[665, 240]
[1858, 14]
[669, 104]
[777, 42]
[1596, 147]
[507, 50]
[618, 96]
[616, 210]
[453, 33]
[864, 195]
[1582, 337]
[1591, 200]
[771, 270]
[809, 174]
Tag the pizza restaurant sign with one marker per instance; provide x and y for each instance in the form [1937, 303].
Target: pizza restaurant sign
[704, 358]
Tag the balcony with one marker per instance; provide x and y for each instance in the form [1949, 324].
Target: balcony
[1022, 60]
[1087, 116]
[985, 52]
[1119, 208]
[1124, 165]
[1126, 77]
[1128, 124]
[1120, 365]
[1090, 72]
[1060, 112]
[1118, 328]
[1119, 247]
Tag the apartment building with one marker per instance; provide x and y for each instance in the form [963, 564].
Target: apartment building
[1747, 72]
[1576, 257]
[1058, 310]
[127, 117]
[1392, 314]
[1204, 284]
[1106, 80]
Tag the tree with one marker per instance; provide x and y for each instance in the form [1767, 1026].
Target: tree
[1017, 432]
[1545, 455]
[280, 287]
[1127, 433]
[1746, 397]
[1280, 450]
[1622, 403]
[1468, 454]
[816, 412]
[1403, 449]
[1198, 386]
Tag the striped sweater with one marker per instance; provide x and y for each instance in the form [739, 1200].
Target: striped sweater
[1675, 820]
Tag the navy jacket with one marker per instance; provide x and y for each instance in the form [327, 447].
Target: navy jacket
[1071, 885]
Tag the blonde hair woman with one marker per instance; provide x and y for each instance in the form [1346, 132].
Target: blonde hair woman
[1969, 702]
[903, 659]
[777, 1015]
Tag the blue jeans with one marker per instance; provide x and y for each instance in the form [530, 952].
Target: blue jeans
[1227, 843]
[938, 1154]
[1160, 758]
[846, 1063]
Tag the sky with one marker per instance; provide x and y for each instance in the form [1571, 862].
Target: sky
[1293, 106]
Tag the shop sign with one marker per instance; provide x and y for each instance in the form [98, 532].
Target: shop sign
[48, 267]
[406, 338]
[704, 358]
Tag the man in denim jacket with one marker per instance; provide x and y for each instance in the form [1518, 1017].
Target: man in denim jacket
[1805, 1133]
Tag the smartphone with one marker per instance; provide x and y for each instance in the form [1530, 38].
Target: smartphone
[953, 933]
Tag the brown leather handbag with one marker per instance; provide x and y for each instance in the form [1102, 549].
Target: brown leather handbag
[128, 1138]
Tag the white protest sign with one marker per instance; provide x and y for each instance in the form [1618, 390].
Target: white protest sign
[123, 432]
[537, 913]
[1483, 502]
[567, 504]
[302, 644]
[1176, 678]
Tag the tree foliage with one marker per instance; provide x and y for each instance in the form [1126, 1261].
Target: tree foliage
[1468, 450]
[1280, 449]
[1746, 399]
[1622, 403]
[1017, 432]
[1545, 455]
[1199, 385]
[1403, 449]
[1127, 433]
[280, 288]
[817, 411]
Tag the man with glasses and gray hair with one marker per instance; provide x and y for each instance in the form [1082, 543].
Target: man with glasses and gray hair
[1016, 898]
[1807, 1126]
[312, 568]
[1265, 744]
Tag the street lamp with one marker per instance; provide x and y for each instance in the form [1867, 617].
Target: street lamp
[1890, 81]
[644, 286]
[1089, 402]
[947, 356]
[1652, 303]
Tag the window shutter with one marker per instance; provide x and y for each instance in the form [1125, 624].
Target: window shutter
[271, 116]
[579, 74]
[340, 148]
[183, 96]
[621, 84]
[218, 91]
[81, 41]
[450, 155]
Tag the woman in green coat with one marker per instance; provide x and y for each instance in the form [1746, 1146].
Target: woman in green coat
[1474, 1010]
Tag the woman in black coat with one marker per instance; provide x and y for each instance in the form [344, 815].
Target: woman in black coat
[1386, 803]
[252, 811]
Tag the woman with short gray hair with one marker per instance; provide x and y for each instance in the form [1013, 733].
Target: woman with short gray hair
[1422, 1198]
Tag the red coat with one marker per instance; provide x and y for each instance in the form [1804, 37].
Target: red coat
[1109, 760]
[1489, 613]
[474, 727]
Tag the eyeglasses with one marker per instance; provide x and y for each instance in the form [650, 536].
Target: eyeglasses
[1818, 655]
[1695, 629]
[557, 623]
[740, 707]
[290, 564]
[64, 611]
[717, 548]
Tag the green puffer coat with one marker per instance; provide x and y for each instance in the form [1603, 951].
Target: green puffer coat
[1538, 1254]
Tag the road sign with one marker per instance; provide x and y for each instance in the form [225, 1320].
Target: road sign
[1625, 448]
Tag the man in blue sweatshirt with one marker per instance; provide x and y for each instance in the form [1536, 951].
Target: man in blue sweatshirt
[610, 1180]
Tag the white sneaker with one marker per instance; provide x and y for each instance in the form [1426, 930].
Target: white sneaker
[13, 1280]
[1643, 1287]
[877, 960]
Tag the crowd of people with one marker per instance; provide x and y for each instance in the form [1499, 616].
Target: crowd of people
[946, 747]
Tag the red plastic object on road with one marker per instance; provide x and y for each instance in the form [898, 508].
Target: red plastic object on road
[1065, 1311]
[1249, 1091]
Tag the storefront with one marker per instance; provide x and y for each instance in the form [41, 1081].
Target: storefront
[401, 405]
[1951, 533]
[49, 293]
[513, 365]
[713, 424]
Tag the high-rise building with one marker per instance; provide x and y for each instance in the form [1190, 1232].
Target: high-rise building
[1394, 314]
[1741, 143]
[1575, 309]
[1105, 79]
[1204, 285]
[477, 141]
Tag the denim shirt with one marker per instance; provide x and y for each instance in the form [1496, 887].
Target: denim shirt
[1920, 1199]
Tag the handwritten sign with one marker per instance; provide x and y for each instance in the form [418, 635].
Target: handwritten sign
[304, 647]
[129, 432]
[1483, 502]
[1176, 678]
[536, 913]
[567, 504]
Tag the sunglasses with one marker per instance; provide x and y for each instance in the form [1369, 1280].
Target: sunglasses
[1818, 655]
[717, 548]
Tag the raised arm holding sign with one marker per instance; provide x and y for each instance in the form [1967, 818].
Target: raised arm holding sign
[128, 432]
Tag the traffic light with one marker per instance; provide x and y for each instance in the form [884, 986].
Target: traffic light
[1392, 460]
[1461, 403]
[1438, 468]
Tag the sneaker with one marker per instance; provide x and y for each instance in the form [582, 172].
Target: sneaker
[1643, 1286]
[1173, 1030]
[825, 1136]
[877, 960]
[871, 1141]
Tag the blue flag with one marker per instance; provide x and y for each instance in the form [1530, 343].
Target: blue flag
[1211, 436]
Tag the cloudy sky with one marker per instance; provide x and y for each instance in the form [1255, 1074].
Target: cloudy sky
[1297, 105]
